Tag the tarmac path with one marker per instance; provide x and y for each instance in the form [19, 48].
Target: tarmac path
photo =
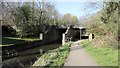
[78, 56]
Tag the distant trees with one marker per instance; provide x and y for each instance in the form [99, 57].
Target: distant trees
[74, 20]
[69, 20]
[66, 19]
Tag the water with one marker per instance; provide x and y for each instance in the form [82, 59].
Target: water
[28, 57]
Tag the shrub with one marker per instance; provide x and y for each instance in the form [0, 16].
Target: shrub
[54, 57]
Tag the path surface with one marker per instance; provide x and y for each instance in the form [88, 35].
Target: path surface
[78, 56]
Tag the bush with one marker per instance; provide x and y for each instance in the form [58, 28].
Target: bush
[8, 31]
[104, 25]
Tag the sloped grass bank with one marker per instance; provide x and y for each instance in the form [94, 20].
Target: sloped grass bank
[54, 57]
[103, 56]
[8, 41]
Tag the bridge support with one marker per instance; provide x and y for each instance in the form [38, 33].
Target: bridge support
[80, 35]
[90, 37]
[63, 39]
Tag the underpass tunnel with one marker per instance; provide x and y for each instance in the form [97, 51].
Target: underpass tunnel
[75, 34]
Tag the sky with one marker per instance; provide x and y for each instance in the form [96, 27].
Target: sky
[75, 8]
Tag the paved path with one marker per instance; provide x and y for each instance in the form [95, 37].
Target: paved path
[78, 56]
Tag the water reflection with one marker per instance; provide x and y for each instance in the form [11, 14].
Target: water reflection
[28, 57]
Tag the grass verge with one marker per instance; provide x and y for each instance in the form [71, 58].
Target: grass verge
[7, 41]
[54, 57]
[103, 56]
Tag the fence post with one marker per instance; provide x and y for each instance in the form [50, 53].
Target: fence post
[41, 36]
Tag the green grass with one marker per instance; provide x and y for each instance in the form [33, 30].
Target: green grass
[54, 57]
[103, 56]
[7, 41]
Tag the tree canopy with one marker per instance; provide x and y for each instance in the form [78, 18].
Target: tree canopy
[104, 24]
[30, 18]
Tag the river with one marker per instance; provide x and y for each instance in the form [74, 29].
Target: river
[28, 57]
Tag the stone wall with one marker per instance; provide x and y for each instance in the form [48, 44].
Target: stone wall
[52, 35]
